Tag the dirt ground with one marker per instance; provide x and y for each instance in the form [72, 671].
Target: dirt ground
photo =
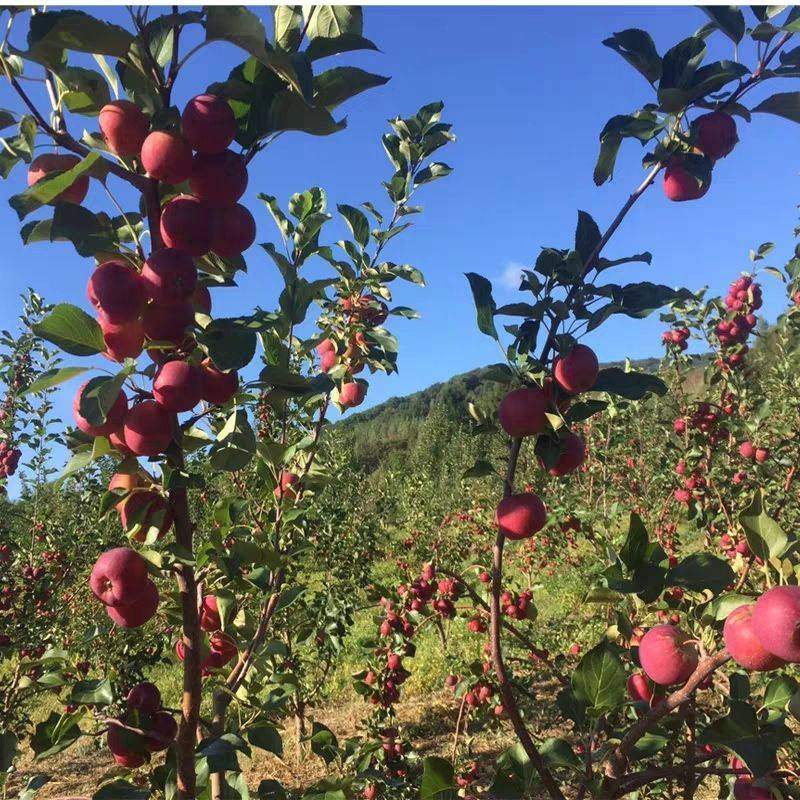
[428, 722]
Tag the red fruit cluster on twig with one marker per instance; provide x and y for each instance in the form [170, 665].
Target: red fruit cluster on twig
[143, 728]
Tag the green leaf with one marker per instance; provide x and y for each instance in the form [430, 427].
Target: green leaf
[701, 571]
[288, 22]
[729, 19]
[49, 188]
[438, 779]
[235, 444]
[35, 782]
[85, 90]
[783, 104]
[121, 790]
[323, 46]
[515, 776]
[333, 87]
[484, 303]
[8, 750]
[266, 736]
[630, 385]
[230, 343]
[599, 679]
[606, 158]
[240, 26]
[357, 222]
[323, 742]
[778, 692]
[89, 233]
[764, 535]
[333, 21]
[431, 173]
[558, 753]
[99, 396]
[637, 48]
[54, 734]
[480, 469]
[587, 236]
[52, 377]
[79, 31]
[289, 112]
[634, 550]
[94, 692]
[71, 329]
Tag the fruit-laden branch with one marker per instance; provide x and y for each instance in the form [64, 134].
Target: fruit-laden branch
[598, 249]
[504, 682]
[512, 629]
[192, 679]
[65, 140]
[503, 678]
[646, 777]
[618, 759]
[222, 698]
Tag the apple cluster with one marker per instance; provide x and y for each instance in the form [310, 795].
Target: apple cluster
[120, 581]
[9, 459]
[143, 728]
[760, 637]
[714, 135]
[345, 350]
[220, 649]
[677, 338]
[743, 298]
[209, 218]
[523, 412]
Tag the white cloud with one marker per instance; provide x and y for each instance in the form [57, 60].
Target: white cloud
[512, 275]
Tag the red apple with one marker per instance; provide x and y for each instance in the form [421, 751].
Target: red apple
[743, 789]
[776, 622]
[187, 224]
[743, 644]
[144, 697]
[162, 732]
[117, 291]
[119, 577]
[522, 412]
[639, 688]
[166, 156]
[219, 178]
[167, 323]
[571, 456]
[234, 231]
[208, 123]
[352, 394]
[146, 509]
[218, 387]
[139, 611]
[288, 485]
[680, 184]
[148, 429]
[169, 277]
[124, 127]
[209, 614]
[126, 746]
[520, 516]
[126, 481]
[122, 341]
[716, 134]
[577, 371]
[666, 655]
[47, 163]
[178, 386]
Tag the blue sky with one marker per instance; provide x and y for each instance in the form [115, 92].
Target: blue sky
[528, 91]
